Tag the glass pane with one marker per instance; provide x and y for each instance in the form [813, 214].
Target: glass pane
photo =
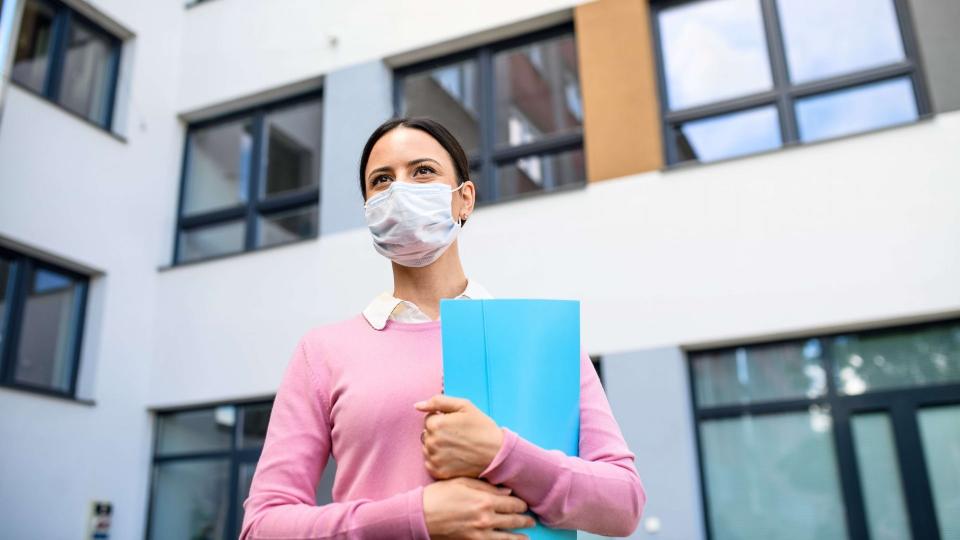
[33, 46]
[713, 50]
[853, 110]
[190, 500]
[728, 135]
[880, 477]
[6, 290]
[824, 38]
[202, 430]
[218, 166]
[293, 148]
[541, 173]
[48, 336]
[255, 421]
[897, 358]
[449, 95]
[940, 431]
[287, 226]
[88, 72]
[537, 91]
[772, 476]
[210, 241]
[792, 370]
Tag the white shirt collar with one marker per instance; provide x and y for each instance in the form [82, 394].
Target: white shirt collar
[385, 306]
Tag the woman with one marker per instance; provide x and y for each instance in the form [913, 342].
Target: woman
[411, 462]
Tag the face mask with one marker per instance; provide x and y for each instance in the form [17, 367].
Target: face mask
[411, 223]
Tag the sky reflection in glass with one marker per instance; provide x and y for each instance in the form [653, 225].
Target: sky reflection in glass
[713, 50]
[826, 38]
[856, 109]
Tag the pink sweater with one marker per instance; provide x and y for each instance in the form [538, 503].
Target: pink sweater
[349, 389]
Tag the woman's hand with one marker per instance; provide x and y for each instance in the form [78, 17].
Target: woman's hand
[472, 508]
[458, 439]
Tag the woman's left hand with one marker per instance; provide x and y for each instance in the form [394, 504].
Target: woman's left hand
[458, 439]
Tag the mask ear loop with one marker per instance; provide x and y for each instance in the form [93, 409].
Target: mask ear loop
[459, 217]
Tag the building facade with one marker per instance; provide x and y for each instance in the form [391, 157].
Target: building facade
[756, 201]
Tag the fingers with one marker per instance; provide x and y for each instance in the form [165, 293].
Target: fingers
[509, 504]
[503, 535]
[442, 403]
[512, 521]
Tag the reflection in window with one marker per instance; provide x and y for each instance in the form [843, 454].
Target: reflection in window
[725, 96]
[824, 38]
[857, 109]
[533, 114]
[203, 466]
[78, 71]
[535, 85]
[251, 180]
[41, 324]
[897, 358]
[46, 349]
[772, 476]
[449, 95]
[541, 172]
[730, 135]
[713, 50]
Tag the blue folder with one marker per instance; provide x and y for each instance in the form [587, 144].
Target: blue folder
[518, 361]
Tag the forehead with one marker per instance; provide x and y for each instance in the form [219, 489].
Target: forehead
[402, 144]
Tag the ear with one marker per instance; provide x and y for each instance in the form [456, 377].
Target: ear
[469, 197]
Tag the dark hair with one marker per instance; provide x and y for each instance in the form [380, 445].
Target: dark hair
[435, 129]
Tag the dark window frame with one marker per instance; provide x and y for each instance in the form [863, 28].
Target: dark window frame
[784, 94]
[255, 205]
[490, 155]
[63, 18]
[17, 287]
[236, 456]
[900, 403]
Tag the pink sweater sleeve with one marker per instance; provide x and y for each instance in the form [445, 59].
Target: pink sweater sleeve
[598, 491]
[282, 498]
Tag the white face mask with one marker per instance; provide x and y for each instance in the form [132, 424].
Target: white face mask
[411, 223]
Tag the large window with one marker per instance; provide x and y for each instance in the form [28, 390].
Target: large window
[251, 180]
[41, 324]
[67, 59]
[845, 436]
[744, 76]
[515, 106]
[204, 460]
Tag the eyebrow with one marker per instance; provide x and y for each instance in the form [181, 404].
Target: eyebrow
[410, 163]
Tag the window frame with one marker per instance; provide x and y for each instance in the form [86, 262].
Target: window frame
[23, 267]
[255, 205]
[784, 94]
[490, 155]
[236, 456]
[63, 18]
[916, 486]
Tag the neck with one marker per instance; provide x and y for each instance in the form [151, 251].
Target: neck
[425, 286]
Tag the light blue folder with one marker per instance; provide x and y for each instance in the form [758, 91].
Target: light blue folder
[519, 362]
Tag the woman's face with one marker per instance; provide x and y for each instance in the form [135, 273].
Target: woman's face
[412, 155]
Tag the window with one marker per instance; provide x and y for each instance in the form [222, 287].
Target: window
[515, 106]
[845, 436]
[68, 59]
[251, 180]
[739, 77]
[41, 324]
[204, 460]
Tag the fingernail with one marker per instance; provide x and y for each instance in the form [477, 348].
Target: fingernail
[419, 404]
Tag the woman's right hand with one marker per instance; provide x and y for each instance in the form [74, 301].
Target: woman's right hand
[471, 508]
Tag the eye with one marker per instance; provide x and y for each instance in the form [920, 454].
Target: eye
[377, 179]
[424, 167]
